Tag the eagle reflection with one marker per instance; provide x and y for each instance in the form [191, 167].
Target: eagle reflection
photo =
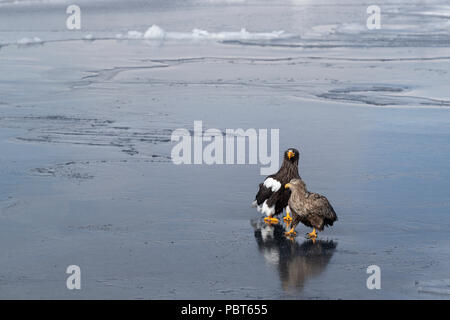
[296, 262]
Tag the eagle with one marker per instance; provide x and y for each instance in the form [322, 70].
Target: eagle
[311, 209]
[272, 197]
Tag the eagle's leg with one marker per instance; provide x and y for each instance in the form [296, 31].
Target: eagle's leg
[288, 217]
[313, 234]
[291, 232]
[270, 220]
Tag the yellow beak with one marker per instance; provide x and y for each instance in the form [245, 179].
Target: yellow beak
[287, 185]
[290, 154]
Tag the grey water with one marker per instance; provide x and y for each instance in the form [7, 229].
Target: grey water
[86, 176]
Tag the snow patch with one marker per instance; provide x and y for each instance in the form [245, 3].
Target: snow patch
[157, 33]
[154, 32]
[29, 41]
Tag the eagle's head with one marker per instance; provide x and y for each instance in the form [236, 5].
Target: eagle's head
[296, 184]
[291, 155]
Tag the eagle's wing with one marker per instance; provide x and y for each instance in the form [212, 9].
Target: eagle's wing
[323, 208]
[268, 196]
[263, 194]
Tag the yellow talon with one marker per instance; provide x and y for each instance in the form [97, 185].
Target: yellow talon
[291, 233]
[270, 220]
[288, 217]
[313, 234]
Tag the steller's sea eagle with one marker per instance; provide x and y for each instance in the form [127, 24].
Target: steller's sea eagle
[272, 197]
[311, 209]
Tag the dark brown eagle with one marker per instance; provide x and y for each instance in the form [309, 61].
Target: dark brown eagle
[272, 197]
[311, 209]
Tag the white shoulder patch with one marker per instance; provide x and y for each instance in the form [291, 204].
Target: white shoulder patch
[273, 184]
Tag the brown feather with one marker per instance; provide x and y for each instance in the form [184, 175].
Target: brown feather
[311, 209]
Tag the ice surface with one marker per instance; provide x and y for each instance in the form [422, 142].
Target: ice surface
[86, 119]
[441, 287]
